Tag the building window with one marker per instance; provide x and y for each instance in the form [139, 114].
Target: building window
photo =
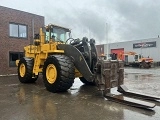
[13, 56]
[17, 30]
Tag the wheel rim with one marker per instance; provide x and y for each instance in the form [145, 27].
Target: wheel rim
[22, 70]
[51, 73]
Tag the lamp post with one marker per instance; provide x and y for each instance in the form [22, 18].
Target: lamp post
[106, 38]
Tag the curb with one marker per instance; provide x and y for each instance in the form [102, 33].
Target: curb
[8, 75]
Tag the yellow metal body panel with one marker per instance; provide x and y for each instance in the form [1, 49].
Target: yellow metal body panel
[40, 54]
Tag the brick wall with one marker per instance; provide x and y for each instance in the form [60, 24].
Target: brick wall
[8, 43]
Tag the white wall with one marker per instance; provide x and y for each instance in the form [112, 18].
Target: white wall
[152, 52]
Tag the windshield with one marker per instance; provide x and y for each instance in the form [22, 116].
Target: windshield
[57, 34]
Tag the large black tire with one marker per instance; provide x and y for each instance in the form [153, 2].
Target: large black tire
[64, 73]
[26, 64]
[83, 80]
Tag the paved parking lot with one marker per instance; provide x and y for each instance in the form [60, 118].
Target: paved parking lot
[33, 102]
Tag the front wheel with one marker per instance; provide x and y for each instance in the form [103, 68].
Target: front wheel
[58, 73]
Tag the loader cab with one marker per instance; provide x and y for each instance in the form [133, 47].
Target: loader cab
[57, 33]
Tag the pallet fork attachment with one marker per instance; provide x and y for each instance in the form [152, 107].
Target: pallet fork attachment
[110, 74]
[123, 89]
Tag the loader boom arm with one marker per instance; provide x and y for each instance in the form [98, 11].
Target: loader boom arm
[79, 61]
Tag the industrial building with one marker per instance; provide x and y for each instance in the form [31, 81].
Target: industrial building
[16, 31]
[145, 47]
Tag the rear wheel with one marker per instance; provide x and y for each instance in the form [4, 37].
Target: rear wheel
[58, 73]
[25, 68]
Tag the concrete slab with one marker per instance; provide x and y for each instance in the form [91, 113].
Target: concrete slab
[33, 102]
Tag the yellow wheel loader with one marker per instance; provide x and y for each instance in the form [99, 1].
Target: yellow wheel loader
[60, 60]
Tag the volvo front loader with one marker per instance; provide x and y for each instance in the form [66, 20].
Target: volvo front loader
[60, 60]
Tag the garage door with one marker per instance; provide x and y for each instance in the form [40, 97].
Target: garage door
[119, 53]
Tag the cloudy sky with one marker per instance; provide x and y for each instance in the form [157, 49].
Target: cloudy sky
[112, 20]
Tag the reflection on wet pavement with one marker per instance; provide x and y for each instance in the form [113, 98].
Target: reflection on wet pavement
[33, 102]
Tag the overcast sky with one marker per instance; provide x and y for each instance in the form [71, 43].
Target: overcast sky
[118, 20]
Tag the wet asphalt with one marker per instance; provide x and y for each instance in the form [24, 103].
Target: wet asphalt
[33, 102]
